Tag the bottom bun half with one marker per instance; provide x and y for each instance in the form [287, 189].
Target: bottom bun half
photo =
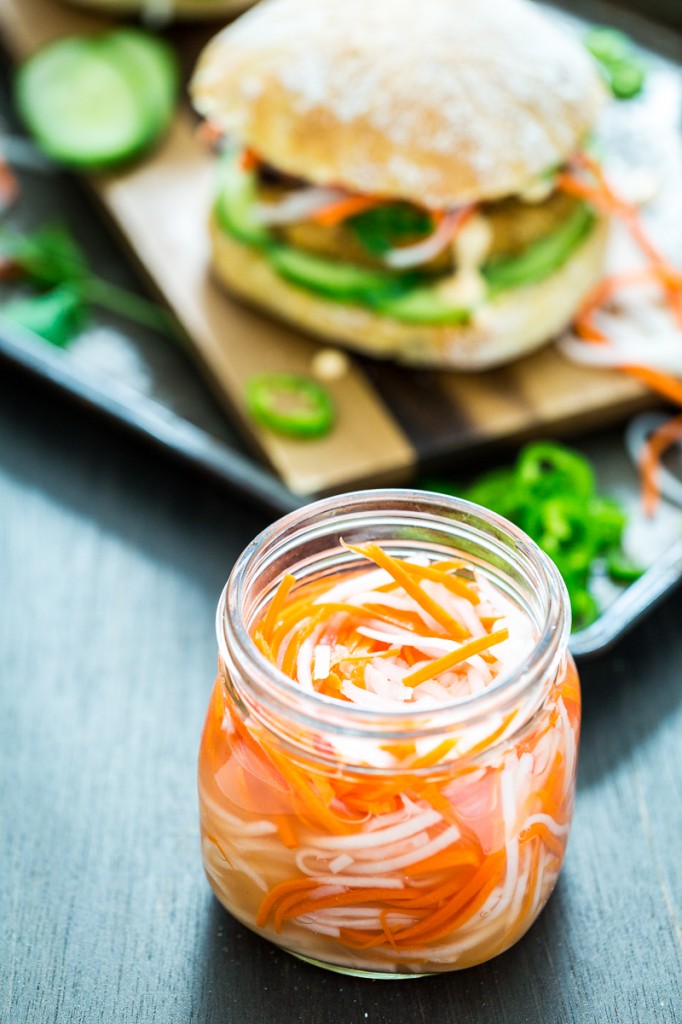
[509, 326]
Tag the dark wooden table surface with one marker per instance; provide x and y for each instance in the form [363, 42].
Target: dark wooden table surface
[111, 561]
[112, 558]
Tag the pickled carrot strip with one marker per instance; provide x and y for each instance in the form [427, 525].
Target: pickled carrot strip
[291, 654]
[331, 687]
[488, 621]
[401, 751]
[445, 860]
[276, 605]
[540, 831]
[437, 575]
[304, 788]
[283, 889]
[351, 898]
[262, 645]
[474, 905]
[495, 735]
[403, 620]
[433, 796]
[433, 756]
[370, 612]
[550, 794]
[388, 935]
[410, 655]
[286, 830]
[467, 900]
[402, 578]
[448, 661]
[295, 609]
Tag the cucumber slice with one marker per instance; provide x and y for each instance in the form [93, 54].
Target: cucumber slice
[234, 205]
[424, 305]
[150, 67]
[92, 103]
[79, 107]
[542, 258]
[333, 278]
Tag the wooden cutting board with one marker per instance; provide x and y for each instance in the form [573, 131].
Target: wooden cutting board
[391, 420]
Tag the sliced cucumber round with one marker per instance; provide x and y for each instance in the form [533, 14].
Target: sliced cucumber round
[235, 202]
[92, 103]
[334, 278]
[422, 305]
[150, 67]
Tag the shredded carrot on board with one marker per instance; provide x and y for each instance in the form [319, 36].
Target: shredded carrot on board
[603, 198]
[664, 383]
[650, 459]
[602, 293]
[658, 270]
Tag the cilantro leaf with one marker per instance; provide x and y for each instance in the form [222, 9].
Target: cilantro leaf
[57, 315]
[391, 224]
[49, 256]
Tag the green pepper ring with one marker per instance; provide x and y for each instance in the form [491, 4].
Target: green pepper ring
[290, 404]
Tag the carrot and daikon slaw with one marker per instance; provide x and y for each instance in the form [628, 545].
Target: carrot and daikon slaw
[606, 343]
[427, 853]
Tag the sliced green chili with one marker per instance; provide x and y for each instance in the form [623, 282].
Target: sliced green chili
[551, 493]
[620, 66]
[290, 404]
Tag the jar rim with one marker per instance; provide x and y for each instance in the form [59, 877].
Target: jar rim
[551, 640]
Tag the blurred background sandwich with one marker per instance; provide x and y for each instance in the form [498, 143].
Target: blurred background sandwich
[389, 177]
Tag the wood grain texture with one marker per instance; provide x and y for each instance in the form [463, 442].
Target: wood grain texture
[111, 561]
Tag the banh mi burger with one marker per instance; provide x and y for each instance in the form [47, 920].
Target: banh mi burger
[167, 10]
[390, 167]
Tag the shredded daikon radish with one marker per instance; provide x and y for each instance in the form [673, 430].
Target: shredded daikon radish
[423, 819]
[322, 660]
[365, 581]
[546, 819]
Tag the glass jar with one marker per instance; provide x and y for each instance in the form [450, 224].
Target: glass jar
[321, 829]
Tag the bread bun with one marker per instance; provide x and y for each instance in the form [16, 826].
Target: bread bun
[509, 326]
[184, 10]
[439, 102]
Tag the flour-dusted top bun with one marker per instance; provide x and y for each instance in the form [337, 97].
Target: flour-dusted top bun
[436, 101]
[162, 10]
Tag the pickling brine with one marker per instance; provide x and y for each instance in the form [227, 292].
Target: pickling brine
[387, 769]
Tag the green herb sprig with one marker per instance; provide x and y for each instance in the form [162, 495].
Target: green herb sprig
[52, 263]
